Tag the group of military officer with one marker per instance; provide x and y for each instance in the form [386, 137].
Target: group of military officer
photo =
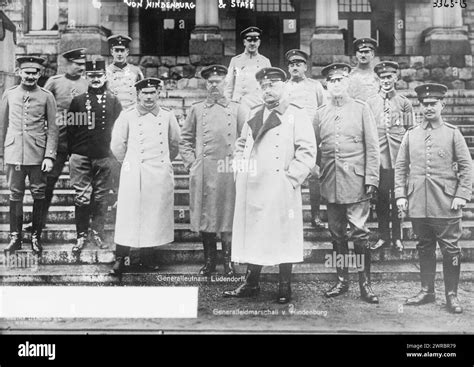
[358, 143]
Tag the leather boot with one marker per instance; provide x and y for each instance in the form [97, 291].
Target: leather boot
[37, 226]
[366, 292]
[284, 286]
[451, 271]
[229, 269]
[209, 243]
[99, 210]
[427, 275]
[16, 224]
[250, 287]
[121, 252]
[342, 285]
[82, 225]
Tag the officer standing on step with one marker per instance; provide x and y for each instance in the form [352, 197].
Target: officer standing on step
[433, 181]
[64, 88]
[363, 82]
[145, 140]
[277, 147]
[241, 85]
[393, 114]
[28, 144]
[207, 145]
[347, 136]
[93, 115]
[309, 94]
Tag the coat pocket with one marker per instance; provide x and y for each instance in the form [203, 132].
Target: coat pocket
[450, 188]
[9, 141]
[410, 188]
[41, 142]
[359, 171]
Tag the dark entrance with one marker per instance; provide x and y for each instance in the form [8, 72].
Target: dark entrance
[165, 33]
[279, 21]
[368, 18]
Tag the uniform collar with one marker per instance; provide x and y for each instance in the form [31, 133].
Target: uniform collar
[72, 77]
[339, 101]
[224, 102]
[299, 80]
[143, 111]
[29, 89]
[281, 107]
[120, 66]
[251, 56]
[388, 95]
[425, 124]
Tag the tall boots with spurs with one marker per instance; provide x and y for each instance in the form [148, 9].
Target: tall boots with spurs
[342, 284]
[209, 243]
[16, 225]
[251, 285]
[284, 284]
[82, 227]
[229, 269]
[427, 275]
[37, 225]
[451, 271]
[99, 211]
[367, 294]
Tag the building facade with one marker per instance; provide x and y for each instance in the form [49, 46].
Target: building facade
[431, 42]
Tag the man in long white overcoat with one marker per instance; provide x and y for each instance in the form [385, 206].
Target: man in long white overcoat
[273, 156]
[145, 140]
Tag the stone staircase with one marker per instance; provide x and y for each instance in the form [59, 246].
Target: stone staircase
[184, 256]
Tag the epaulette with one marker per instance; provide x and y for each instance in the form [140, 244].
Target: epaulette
[166, 109]
[320, 107]
[360, 101]
[57, 76]
[451, 125]
[47, 91]
[413, 127]
[296, 105]
[237, 56]
[197, 102]
[13, 87]
[256, 106]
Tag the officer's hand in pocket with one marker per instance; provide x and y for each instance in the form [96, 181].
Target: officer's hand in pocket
[47, 165]
[458, 203]
[402, 204]
[370, 189]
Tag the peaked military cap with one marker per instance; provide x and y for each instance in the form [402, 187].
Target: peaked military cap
[77, 55]
[119, 41]
[30, 62]
[295, 54]
[273, 74]
[251, 31]
[431, 92]
[363, 44]
[336, 69]
[149, 83]
[95, 66]
[385, 67]
[213, 70]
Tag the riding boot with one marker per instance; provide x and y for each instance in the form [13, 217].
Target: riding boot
[37, 226]
[427, 275]
[284, 286]
[209, 243]
[451, 271]
[16, 224]
[250, 287]
[342, 284]
[99, 211]
[82, 226]
[229, 269]
[366, 292]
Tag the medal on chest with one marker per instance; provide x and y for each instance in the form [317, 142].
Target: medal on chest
[90, 116]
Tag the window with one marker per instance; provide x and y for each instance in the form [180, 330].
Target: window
[43, 15]
[358, 6]
[274, 5]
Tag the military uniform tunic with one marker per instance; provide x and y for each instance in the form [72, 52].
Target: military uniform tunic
[433, 167]
[207, 145]
[121, 81]
[28, 129]
[363, 84]
[64, 88]
[308, 93]
[241, 85]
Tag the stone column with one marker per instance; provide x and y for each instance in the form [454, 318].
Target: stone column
[327, 38]
[7, 53]
[447, 36]
[83, 30]
[206, 45]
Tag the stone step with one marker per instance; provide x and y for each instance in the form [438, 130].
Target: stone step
[65, 214]
[186, 275]
[192, 253]
[66, 233]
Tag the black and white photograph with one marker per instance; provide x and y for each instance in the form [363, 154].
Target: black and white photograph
[237, 166]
